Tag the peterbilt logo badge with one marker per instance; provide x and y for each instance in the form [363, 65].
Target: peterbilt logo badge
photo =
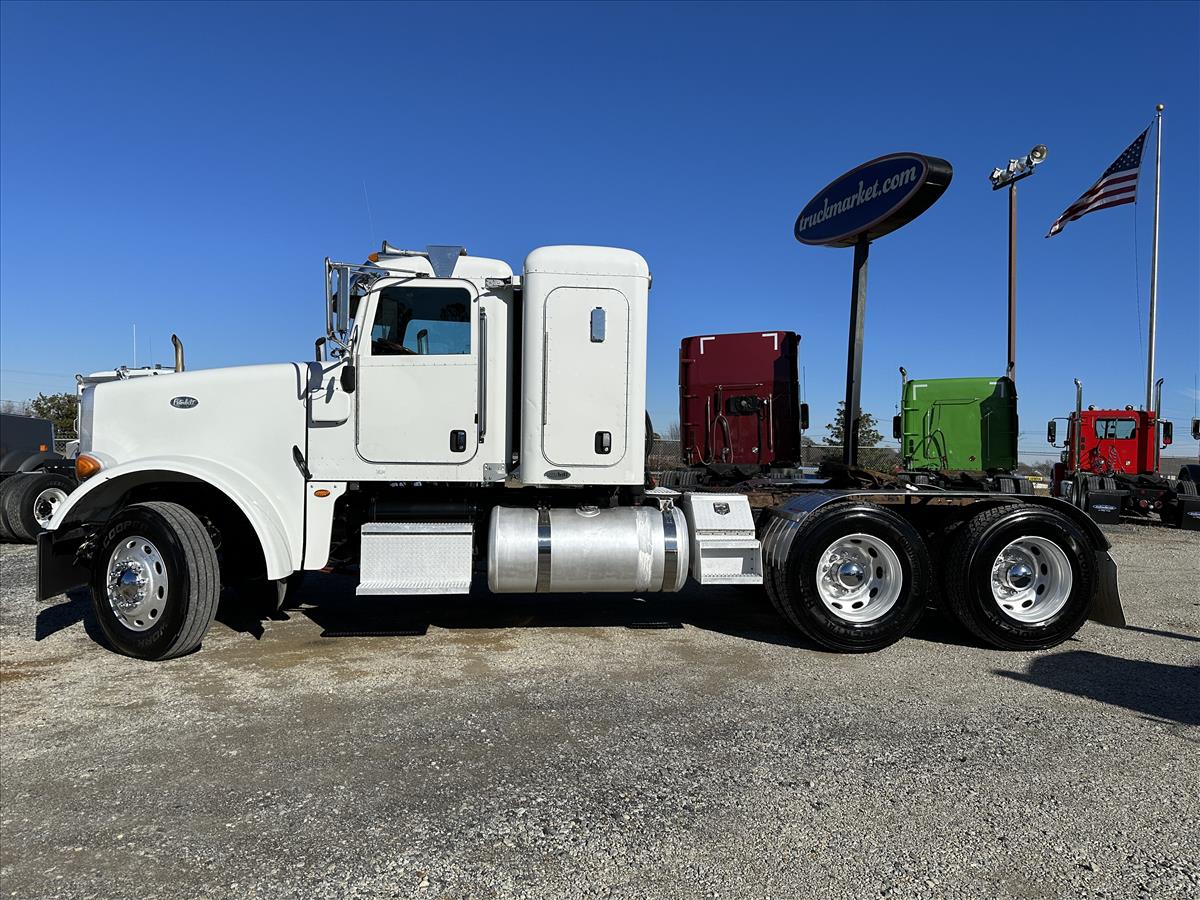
[1104, 507]
[184, 402]
[557, 474]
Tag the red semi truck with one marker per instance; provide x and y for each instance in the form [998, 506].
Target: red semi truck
[740, 413]
[1110, 466]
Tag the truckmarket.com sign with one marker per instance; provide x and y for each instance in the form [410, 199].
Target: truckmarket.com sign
[874, 199]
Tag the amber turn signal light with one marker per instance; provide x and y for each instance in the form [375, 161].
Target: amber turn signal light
[321, 492]
[86, 466]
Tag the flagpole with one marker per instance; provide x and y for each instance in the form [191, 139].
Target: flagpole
[1154, 264]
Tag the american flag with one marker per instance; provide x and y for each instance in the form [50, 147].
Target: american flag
[1116, 186]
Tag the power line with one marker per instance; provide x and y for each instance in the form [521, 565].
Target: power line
[31, 372]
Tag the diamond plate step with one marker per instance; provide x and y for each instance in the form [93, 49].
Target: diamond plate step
[416, 558]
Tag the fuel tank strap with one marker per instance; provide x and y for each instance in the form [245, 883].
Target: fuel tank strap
[542, 584]
[670, 549]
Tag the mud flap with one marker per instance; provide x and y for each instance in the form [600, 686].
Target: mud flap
[1106, 606]
[59, 568]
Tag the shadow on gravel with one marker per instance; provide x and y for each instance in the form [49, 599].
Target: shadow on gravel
[1156, 690]
[937, 627]
[329, 601]
[75, 608]
[1167, 634]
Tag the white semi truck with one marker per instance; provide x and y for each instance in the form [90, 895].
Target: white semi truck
[462, 422]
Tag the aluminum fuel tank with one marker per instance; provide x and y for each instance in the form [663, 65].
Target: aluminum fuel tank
[586, 549]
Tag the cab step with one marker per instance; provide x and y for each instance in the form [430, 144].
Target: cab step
[415, 558]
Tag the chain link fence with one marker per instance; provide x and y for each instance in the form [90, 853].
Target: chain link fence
[666, 455]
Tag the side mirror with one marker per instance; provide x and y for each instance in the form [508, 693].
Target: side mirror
[348, 378]
[1168, 433]
[1051, 432]
[897, 427]
[342, 318]
[804, 417]
[1196, 429]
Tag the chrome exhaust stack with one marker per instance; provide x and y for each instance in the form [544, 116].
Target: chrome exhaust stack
[178, 344]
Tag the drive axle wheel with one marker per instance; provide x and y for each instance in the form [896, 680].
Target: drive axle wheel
[155, 582]
[1020, 577]
[855, 579]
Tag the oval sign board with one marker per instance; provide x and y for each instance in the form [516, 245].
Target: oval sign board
[873, 200]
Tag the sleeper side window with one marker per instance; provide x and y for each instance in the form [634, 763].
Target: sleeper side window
[422, 321]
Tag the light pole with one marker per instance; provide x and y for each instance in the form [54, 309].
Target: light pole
[1008, 177]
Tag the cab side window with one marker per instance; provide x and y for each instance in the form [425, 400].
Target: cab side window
[422, 321]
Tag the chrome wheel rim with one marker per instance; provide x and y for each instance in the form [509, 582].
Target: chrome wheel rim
[46, 504]
[137, 583]
[1031, 580]
[859, 578]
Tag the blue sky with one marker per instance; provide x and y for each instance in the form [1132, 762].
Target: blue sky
[187, 167]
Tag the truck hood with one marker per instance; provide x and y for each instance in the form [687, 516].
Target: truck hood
[242, 415]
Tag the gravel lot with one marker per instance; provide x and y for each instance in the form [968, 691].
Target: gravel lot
[600, 746]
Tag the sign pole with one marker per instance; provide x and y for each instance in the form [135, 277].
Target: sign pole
[851, 211]
[1153, 322]
[858, 316]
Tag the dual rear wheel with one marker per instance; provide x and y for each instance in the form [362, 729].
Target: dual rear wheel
[857, 578]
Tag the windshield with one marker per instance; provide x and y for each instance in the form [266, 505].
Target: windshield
[1116, 429]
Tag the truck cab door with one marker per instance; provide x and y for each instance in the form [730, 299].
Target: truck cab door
[418, 374]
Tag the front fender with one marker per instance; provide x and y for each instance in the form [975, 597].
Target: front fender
[38, 460]
[96, 497]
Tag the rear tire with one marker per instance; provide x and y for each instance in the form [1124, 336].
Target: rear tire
[856, 578]
[31, 502]
[6, 485]
[1020, 577]
[155, 580]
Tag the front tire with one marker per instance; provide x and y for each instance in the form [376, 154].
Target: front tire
[155, 580]
[1020, 577]
[855, 579]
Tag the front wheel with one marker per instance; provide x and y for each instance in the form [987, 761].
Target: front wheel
[855, 579]
[155, 582]
[1020, 577]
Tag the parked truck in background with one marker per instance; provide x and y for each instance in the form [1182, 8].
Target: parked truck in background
[34, 478]
[740, 413]
[1110, 465]
[471, 423]
[959, 431]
